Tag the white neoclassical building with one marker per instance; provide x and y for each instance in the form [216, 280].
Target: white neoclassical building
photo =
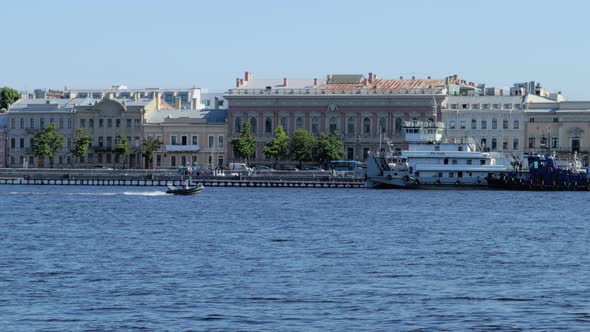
[495, 122]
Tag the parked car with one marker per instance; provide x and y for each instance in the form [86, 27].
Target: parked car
[287, 168]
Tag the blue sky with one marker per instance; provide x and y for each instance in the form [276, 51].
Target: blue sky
[173, 43]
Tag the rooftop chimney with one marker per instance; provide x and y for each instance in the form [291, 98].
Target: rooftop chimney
[247, 76]
[285, 82]
[178, 103]
[136, 96]
[401, 77]
[315, 81]
[370, 77]
[428, 77]
[413, 78]
[195, 103]
[237, 82]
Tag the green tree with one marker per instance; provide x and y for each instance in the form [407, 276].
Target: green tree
[122, 148]
[329, 147]
[302, 146]
[47, 141]
[245, 145]
[278, 147]
[147, 149]
[8, 96]
[81, 143]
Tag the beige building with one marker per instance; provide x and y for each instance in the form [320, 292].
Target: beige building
[189, 137]
[562, 128]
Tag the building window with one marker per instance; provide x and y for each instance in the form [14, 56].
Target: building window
[267, 126]
[504, 145]
[90, 123]
[173, 140]
[484, 142]
[69, 123]
[100, 123]
[211, 141]
[118, 123]
[109, 123]
[475, 106]
[486, 106]
[13, 123]
[32, 123]
[195, 140]
[128, 123]
[505, 124]
[531, 142]
[100, 141]
[158, 160]
[452, 124]
[462, 124]
[494, 144]
[137, 123]
[172, 160]
[22, 143]
[238, 125]
[284, 123]
[554, 142]
[484, 124]
[473, 124]
[253, 126]
[350, 126]
[109, 142]
[382, 126]
[494, 123]
[516, 125]
[183, 140]
[299, 123]
[61, 123]
[367, 126]
[555, 120]
[22, 123]
[315, 125]
[333, 125]
[398, 125]
[507, 106]
[532, 120]
[220, 141]
[82, 123]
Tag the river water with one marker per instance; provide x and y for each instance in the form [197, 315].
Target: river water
[79, 258]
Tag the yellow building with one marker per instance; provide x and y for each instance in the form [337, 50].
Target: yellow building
[562, 128]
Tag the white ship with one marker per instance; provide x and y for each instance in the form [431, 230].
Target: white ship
[430, 163]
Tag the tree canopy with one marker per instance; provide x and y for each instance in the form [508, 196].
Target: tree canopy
[81, 143]
[47, 141]
[8, 96]
[329, 147]
[302, 146]
[147, 149]
[245, 145]
[278, 147]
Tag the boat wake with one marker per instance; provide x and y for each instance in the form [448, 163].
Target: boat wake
[144, 193]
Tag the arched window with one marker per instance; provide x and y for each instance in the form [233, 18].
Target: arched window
[382, 125]
[315, 125]
[366, 126]
[238, 123]
[350, 126]
[299, 123]
[268, 125]
[398, 125]
[284, 123]
[253, 125]
[333, 125]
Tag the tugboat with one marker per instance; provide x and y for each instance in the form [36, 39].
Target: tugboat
[543, 174]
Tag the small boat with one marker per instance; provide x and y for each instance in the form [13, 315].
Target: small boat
[185, 190]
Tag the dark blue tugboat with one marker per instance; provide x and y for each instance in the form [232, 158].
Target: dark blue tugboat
[542, 174]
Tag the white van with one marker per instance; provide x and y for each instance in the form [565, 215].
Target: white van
[240, 167]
